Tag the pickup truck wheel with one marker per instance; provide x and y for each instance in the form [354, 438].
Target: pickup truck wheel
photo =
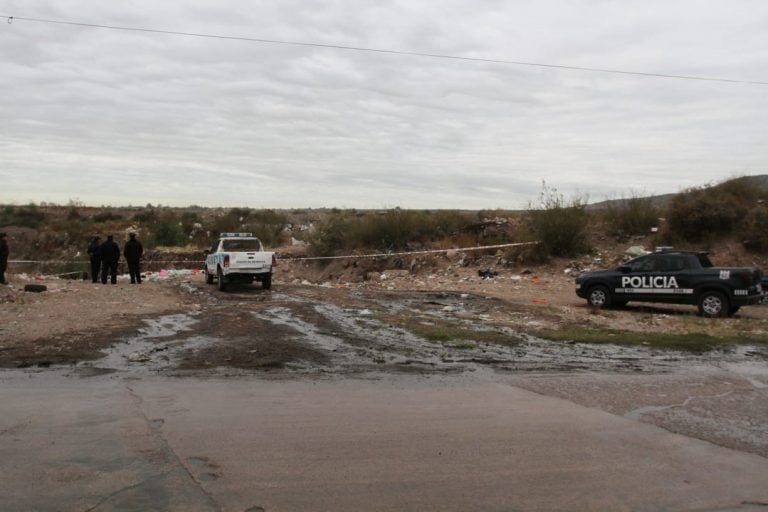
[713, 304]
[208, 277]
[222, 284]
[266, 282]
[599, 297]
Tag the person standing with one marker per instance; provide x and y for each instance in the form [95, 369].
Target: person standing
[133, 251]
[94, 251]
[4, 252]
[110, 255]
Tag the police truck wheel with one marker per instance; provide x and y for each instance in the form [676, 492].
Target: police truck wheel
[266, 282]
[208, 277]
[222, 284]
[599, 297]
[713, 304]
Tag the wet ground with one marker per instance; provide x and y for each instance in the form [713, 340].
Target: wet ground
[405, 351]
[310, 330]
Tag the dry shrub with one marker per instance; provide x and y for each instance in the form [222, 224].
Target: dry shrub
[699, 214]
[754, 228]
[559, 225]
[631, 217]
[388, 231]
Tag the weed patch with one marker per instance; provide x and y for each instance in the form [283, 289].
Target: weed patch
[696, 342]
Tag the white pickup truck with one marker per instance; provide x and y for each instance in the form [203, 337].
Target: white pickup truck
[239, 258]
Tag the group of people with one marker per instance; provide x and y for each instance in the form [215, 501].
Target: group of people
[105, 256]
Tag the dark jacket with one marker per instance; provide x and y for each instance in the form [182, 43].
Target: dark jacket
[133, 250]
[110, 251]
[94, 250]
[4, 251]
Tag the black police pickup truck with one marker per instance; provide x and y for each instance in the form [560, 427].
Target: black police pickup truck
[680, 277]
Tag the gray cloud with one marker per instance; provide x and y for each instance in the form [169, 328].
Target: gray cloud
[124, 117]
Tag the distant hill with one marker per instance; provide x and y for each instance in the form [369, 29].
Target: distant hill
[759, 181]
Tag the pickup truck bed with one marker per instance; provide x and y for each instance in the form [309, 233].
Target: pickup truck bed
[239, 258]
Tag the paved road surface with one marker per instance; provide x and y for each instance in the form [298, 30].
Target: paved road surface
[464, 442]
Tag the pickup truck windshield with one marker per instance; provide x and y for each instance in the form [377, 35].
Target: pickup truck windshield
[241, 245]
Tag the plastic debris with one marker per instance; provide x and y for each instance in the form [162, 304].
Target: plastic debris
[165, 274]
[138, 357]
[636, 250]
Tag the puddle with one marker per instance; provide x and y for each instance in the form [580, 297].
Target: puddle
[146, 352]
[355, 339]
[167, 326]
[358, 339]
[750, 363]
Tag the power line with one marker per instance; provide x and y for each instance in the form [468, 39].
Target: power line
[11, 19]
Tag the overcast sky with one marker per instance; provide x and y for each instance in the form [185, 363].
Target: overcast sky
[118, 117]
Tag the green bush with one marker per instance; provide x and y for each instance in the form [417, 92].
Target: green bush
[630, 217]
[188, 221]
[699, 214]
[148, 216]
[73, 214]
[267, 225]
[331, 235]
[446, 223]
[559, 225]
[24, 216]
[107, 216]
[754, 228]
[167, 231]
[389, 231]
[233, 221]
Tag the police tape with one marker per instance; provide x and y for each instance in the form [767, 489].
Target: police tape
[86, 262]
[310, 258]
[410, 253]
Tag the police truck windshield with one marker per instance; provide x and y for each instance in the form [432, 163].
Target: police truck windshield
[242, 244]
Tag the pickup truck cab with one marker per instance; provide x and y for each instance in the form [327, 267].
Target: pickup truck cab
[679, 277]
[239, 258]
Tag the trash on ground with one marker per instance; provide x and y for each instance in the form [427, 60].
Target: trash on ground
[138, 357]
[636, 250]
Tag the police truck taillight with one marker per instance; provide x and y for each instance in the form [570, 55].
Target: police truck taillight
[226, 260]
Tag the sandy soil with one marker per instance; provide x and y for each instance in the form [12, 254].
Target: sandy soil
[73, 320]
